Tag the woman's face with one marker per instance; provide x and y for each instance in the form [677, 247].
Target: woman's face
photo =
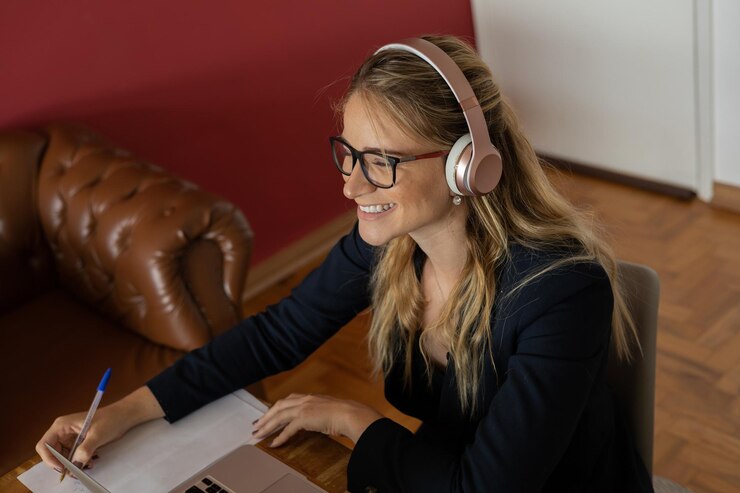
[420, 203]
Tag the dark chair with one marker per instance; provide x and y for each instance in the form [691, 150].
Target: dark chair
[634, 383]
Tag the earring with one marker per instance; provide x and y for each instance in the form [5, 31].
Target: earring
[457, 200]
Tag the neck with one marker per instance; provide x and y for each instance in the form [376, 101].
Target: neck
[445, 248]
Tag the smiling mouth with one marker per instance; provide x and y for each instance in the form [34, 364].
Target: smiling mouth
[376, 209]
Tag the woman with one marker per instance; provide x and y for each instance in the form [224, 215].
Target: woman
[492, 314]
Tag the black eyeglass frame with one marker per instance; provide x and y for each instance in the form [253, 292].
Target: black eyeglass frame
[359, 156]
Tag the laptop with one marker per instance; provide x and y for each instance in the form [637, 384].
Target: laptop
[247, 469]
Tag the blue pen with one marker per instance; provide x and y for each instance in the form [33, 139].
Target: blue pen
[88, 419]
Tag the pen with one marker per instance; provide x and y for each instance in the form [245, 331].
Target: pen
[88, 419]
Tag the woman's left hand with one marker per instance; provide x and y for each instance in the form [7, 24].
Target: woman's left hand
[311, 412]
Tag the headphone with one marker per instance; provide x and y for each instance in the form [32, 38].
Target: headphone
[474, 165]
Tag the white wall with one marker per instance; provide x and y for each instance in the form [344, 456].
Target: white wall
[726, 62]
[605, 83]
[643, 88]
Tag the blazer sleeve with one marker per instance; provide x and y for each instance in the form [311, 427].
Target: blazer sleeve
[563, 333]
[275, 340]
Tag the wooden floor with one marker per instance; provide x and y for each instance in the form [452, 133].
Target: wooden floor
[696, 251]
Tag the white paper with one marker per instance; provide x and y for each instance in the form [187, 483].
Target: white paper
[157, 456]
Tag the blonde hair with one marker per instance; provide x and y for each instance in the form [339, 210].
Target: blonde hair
[524, 208]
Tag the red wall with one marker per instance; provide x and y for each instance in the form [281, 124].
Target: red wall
[227, 94]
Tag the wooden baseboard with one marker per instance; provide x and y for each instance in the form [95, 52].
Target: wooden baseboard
[290, 259]
[726, 197]
[634, 181]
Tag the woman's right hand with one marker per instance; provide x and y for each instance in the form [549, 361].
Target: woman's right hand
[109, 424]
[105, 428]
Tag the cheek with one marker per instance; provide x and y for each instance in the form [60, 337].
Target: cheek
[427, 179]
[422, 194]
[424, 207]
[432, 192]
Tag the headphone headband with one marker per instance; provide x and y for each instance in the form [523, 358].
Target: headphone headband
[482, 171]
[442, 63]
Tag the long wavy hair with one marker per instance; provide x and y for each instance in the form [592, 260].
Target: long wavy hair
[524, 208]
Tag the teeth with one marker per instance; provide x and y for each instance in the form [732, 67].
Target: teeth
[374, 209]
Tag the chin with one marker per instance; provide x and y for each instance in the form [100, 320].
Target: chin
[374, 236]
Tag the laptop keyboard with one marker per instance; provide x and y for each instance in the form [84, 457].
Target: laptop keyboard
[208, 485]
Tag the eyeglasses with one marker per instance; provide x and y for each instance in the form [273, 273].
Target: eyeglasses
[378, 168]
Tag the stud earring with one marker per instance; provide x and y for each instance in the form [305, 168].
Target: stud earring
[457, 200]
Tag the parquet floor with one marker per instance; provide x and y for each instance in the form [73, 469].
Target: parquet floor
[695, 249]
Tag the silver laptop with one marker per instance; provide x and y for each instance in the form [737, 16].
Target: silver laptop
[245, 470]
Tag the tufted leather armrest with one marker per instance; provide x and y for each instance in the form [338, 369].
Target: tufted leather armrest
[140, 244]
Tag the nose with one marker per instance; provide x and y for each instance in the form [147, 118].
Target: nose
[356, 184]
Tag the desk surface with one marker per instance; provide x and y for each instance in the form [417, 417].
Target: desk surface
[318, 457]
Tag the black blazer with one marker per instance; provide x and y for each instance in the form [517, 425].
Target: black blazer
[547, 420]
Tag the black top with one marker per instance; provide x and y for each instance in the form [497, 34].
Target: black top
[547, 423]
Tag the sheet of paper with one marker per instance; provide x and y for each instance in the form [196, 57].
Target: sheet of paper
[156, 456]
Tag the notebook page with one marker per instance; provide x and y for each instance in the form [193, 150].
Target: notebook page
[157, 456]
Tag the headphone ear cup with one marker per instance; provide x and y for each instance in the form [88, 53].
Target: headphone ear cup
[451, 165]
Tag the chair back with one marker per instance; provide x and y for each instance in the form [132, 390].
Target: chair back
[634, 383]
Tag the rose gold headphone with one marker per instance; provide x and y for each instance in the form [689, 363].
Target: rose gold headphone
[473, 166]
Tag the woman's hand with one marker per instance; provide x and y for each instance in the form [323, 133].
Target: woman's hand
[109, 424]
[311, 412]
[105, 428]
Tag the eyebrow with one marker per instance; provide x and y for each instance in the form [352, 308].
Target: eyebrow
[375, 149]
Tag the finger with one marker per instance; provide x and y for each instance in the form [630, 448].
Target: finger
[68, 442]
[85, 451]
[46, 456]
[62, 432]
[52, 438]
[279, 407]
[270, 427]
[276, 430]
[289, 401]
[91, 463]
[277, 421]
[291, 429]
[60, 436]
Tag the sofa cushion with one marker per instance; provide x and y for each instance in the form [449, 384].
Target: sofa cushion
[54, 352]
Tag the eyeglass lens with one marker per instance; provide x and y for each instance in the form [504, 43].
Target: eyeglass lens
[377, 168]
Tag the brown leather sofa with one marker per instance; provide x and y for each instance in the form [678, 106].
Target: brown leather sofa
[105, 261]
